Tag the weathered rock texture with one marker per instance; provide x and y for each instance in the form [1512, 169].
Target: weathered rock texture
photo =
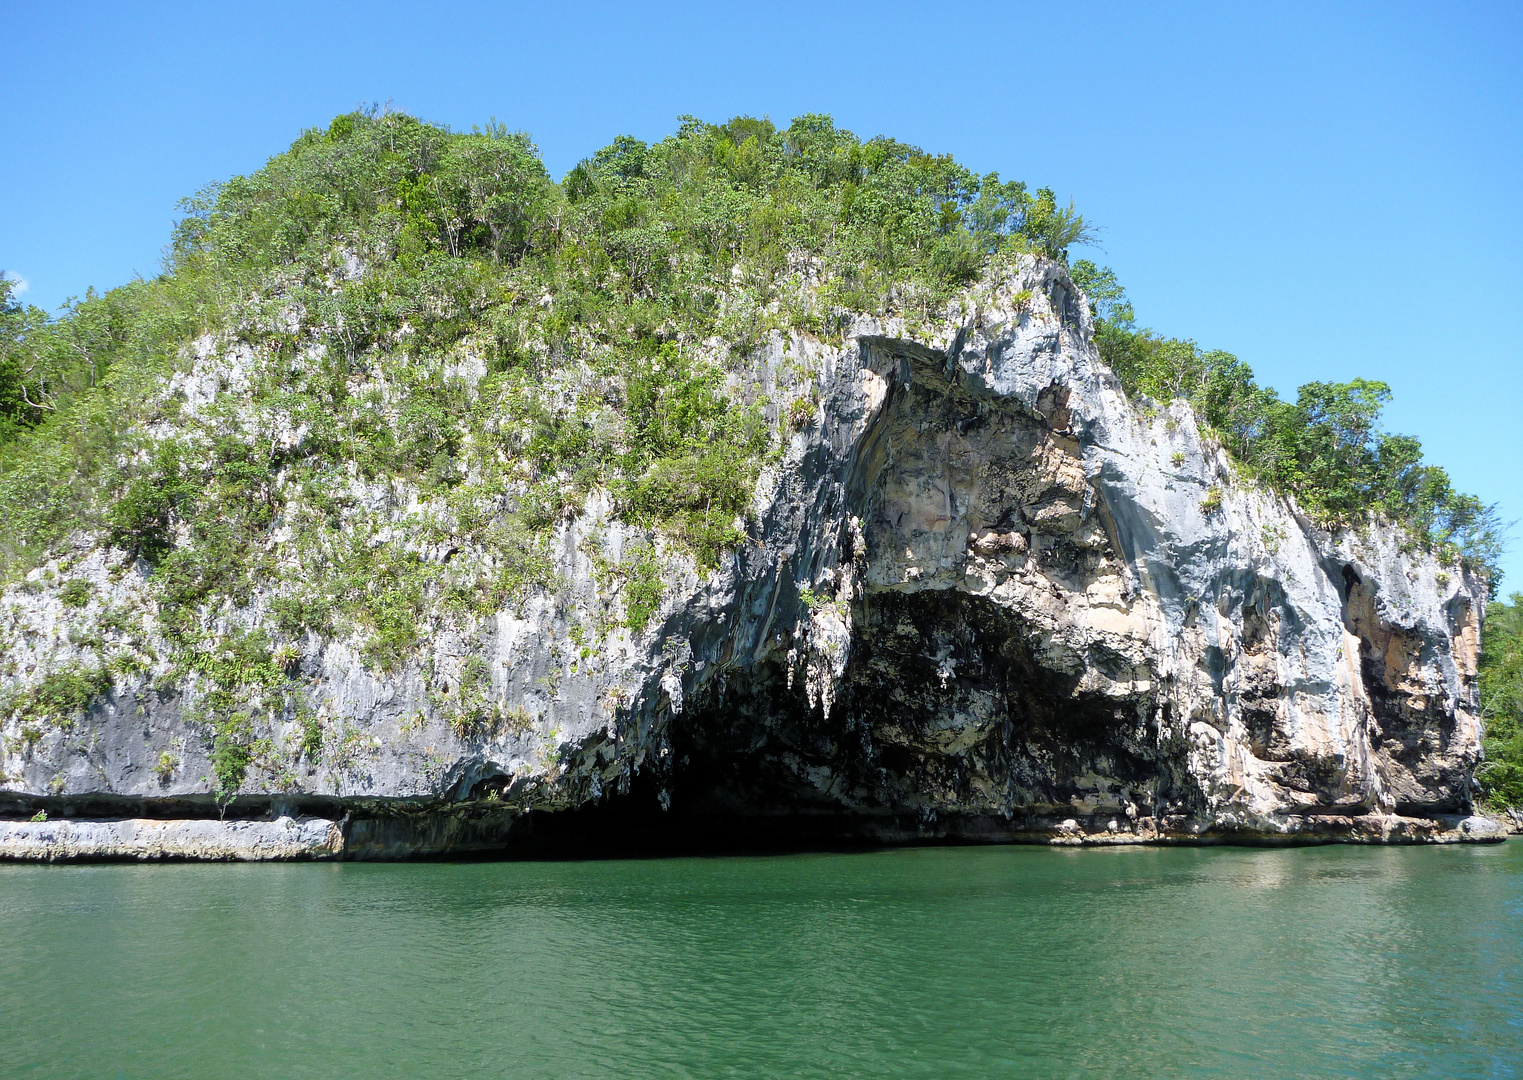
[199, 839]
[984, 597]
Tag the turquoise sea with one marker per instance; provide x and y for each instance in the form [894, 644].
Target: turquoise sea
[920, 962]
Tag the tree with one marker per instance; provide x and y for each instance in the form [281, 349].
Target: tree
[1053, 229]
[500, 184]
[28, 384]
[1107, 299]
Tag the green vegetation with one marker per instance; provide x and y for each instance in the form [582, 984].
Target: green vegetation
[166, 767]
[1501, 677]
[642, 589]
[413, 309]
[311, 743]
[75, 592]
[230, 758]
[812, 599]
[59, 697]
[1326, 448]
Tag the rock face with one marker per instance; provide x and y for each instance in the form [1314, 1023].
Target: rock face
[195, 839]
[983, 597]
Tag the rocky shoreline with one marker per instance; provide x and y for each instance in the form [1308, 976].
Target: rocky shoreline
[461, 833]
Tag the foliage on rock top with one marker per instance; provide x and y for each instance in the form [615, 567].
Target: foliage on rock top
[396, 344]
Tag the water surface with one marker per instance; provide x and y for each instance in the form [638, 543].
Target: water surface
[930, 962]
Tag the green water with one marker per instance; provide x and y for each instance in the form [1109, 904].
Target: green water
[991, 962]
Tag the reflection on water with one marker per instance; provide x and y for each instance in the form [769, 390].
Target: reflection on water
[912, 963]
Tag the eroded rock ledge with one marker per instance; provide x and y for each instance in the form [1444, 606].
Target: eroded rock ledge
[985, 598]
[443, 832]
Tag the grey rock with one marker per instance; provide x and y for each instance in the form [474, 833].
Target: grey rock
[979, 599]
[196, 839]
[1476, 827]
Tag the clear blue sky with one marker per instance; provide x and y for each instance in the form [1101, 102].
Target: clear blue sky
[1328, 190]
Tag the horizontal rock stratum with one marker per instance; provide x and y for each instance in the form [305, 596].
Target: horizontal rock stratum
[982, 596]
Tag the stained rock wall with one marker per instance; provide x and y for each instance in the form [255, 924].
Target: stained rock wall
[983, 597]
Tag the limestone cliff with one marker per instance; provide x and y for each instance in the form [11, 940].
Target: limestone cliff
[982, 596]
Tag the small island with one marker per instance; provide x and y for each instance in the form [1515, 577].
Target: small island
[760, 485]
